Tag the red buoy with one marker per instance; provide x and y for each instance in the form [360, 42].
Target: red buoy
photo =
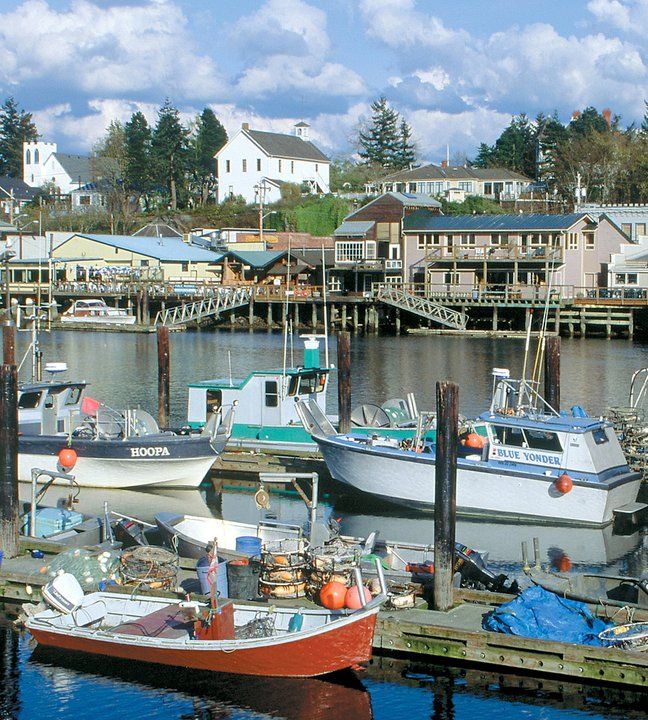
[352, 598]
[564, 484]
[332, 595]
[473, 440]
[67, 458]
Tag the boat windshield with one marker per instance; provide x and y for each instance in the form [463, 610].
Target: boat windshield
[533, 439]
[307, 383]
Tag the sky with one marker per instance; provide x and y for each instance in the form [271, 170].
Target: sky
[456, 70]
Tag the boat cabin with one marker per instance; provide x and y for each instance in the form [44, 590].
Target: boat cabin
[47, 408]
[265, 397]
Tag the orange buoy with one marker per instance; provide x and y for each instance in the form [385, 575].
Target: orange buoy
[352, 597]
[473, 440]
[564, 484]
[562, 563]
[332, 595]
[67, 458]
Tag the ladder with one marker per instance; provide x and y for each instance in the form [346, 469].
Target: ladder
[226, 298]
[397, 297]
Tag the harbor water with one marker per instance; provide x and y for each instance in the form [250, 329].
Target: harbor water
[122, 372]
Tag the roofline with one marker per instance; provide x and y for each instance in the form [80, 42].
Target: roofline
[139, 252]
[534, 229]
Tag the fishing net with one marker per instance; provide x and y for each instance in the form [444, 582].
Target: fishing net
[260, 627]
[150, 566]
[88, 567]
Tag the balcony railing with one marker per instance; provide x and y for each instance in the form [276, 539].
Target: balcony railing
[493, 253]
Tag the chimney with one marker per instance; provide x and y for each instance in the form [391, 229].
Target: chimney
[444, 163]
[246, 126]
[607, 114]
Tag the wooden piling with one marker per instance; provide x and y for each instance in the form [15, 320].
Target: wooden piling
[552, 372]
[164, 375]
[146, 313]
[9, 502]
[251, 312]
[445, 488]
[398, 321]
[344, 380]
[344, 317]
[313, 315]
[8, 345]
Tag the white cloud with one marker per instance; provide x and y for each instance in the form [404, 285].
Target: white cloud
[107, 50]
[630, 16]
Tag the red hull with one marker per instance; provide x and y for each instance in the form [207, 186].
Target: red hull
[328, 652]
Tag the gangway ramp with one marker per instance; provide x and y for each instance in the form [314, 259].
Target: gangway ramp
[421, 306]
[224, 299]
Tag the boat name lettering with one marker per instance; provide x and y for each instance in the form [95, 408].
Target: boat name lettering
[149, 451]
[526, 456]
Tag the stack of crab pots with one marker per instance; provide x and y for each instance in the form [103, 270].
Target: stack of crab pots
[333, 563]
[283, 569]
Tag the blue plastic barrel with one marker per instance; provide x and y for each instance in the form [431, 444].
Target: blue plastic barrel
[202, 569]
[248, 544]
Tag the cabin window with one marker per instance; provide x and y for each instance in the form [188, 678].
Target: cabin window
[541, 440]
[307, 384]
[271, 393]
[600, 436]
[74, 396]
[509, 436]
[29, 400]
[213, 401]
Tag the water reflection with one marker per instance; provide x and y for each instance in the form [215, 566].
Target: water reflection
[212, 695]
[9, 675]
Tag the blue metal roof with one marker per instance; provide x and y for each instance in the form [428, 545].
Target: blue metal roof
[354, 228]
[167, 249]
[423, 221]
[258, 258]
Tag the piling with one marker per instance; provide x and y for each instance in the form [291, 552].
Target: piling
[8, 345]
[445, 488]
[344, 380]
[251, 312]
[164, 375]
[146, 312]
[9, 502]
[552, 372]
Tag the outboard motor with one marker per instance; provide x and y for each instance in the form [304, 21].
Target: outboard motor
[474, 573]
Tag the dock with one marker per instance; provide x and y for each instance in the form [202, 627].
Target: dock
[454, 637]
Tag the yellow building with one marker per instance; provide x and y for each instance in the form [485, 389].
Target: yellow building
[166, 259]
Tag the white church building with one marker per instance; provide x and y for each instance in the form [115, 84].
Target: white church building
[43, 165]
[254, 164]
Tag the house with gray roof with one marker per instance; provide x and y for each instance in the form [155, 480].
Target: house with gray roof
[456, 182]
[458, 254]
[44, 165]
[632, 218]
[254, 164]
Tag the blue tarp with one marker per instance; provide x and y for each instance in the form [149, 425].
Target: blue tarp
[538, 613]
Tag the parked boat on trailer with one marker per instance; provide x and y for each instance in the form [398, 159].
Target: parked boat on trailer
[110, 448]
[522, 461]
[95, 311]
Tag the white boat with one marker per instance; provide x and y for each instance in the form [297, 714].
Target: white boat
[114, 449]
[532, 465]
[96, 312]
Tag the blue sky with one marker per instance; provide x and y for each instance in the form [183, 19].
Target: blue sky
[456, 70]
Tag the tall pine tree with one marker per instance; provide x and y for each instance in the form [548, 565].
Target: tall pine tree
[169, 151]
[208, 138]
[379, 141]
[137, 139]
[405, 155]
[16, 127]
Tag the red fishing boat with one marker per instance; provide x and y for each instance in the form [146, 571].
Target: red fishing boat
[242, 639]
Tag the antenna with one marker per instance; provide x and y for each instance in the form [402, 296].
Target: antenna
[326, 344]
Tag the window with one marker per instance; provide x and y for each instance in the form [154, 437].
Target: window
[244, 165]
[227, 166]
[509, 436]
[279, 165]
[28, 157]
[258, 164]
[640, 229]
[467, 186]
[627, 229]
[349, 251]
[292, 166]
[37, 157]
[631, 279]
[488, 188]
[422, 240]
[307, 384]
[371, 250]
[572, 241]
[271, 393]
[499, 239]
[84, 199]
[185, 267]
[316, 167]
[600, 436]
[74, 396]
[29, 400]
[467, 239]
[589, 241]
[541, 440]
[144, 263]
[116, 251]
[451, 278]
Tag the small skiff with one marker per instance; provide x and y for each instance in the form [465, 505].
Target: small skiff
[239, 639]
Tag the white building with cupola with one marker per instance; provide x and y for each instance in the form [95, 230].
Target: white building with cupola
[44, 165]
[254, 164]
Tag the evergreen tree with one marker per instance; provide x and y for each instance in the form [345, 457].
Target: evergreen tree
[169, 151]
[644, 122]
[16, 127]
[590, 120]
[208, 138]
[514, 148]
[405, 155]
[137, 140]
[380, 140]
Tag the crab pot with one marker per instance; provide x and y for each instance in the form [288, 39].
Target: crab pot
[243, 579]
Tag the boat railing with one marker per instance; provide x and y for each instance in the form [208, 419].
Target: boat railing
[519, 396]
[37, 495]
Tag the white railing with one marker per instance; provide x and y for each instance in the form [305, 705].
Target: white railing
[227, 298]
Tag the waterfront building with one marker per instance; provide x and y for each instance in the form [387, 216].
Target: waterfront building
[456, 183]
[458, 254]
[368, 242]
[44, 165]
[254, 164]
[631, 218]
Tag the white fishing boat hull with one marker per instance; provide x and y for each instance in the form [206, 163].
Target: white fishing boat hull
[99, 319]
[410, 480]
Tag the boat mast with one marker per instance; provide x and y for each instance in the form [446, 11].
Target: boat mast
[326, 344]
[285, 339]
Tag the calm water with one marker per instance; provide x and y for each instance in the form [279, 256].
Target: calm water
[41, 684]
[122, 370]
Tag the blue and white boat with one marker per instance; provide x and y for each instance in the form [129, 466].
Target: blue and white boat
[533, 464]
